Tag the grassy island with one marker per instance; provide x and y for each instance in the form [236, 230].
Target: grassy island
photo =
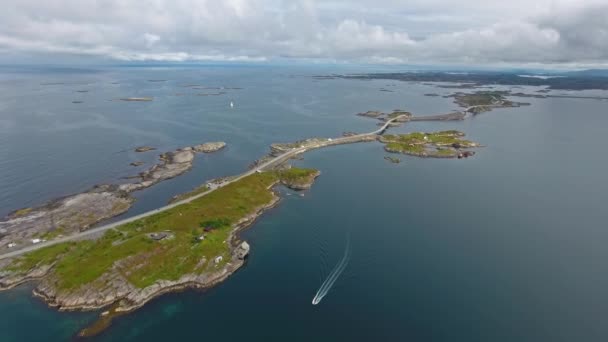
[442, 144]
[190, 239]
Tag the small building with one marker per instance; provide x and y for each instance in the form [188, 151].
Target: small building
[11, 245]
[201, 238]
[218, 259]
[35, 241]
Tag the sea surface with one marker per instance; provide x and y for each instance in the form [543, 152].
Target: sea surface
[510, 245]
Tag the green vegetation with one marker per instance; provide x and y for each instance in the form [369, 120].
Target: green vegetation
[143, 260]
[41, 257]
[53, 233]
[405, 148]
[198, 190]
[446, 152]
[483, 99]
[22, 212]
[215, 223]
[295, 174]
[436, 144]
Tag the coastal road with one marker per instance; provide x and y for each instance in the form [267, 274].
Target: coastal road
[260, 168]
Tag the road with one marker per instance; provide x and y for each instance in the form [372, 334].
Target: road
[277, 160]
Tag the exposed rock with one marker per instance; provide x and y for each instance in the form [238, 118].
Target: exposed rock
[242, 251]
[392, 159]
[171, 164]
[137, 163]
[70, 214]
[144, 149]
[209, 147]
[371, 114]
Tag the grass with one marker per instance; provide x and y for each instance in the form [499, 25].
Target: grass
[41, 257]
[198, 190]
[295, 174]
[417, 142]
[405, 148]
[445, 152]
[144, 261]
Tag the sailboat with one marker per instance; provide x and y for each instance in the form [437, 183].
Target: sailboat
[231, 104]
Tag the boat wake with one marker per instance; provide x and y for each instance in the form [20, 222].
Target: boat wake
[333, 276]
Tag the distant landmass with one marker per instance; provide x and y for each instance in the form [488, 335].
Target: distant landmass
[577, 80]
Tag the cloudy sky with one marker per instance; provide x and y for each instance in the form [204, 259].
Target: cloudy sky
[510, 32]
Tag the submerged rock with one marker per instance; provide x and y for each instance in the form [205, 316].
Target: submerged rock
[144, 149]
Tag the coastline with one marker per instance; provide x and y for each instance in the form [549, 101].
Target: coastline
[131, 298]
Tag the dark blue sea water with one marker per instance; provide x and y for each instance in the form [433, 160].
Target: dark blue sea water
[507, 246]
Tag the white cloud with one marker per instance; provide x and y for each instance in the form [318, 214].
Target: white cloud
[391, 31]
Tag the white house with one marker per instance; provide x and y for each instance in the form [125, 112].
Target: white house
[218, 259]
[35, 241]
[11, 245]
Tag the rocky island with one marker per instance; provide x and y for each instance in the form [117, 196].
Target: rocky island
[209, 147]
[141, 149]
[442, 144]
[484, 101]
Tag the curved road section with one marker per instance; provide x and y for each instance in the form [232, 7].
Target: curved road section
[277, 160]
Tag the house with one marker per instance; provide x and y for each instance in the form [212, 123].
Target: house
[218, 259]
[201, 238]
[35, 241]
[11, 245]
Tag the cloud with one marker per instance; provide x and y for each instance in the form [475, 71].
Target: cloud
[391, 31]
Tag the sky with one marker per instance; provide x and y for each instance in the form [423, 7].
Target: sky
[558, 33]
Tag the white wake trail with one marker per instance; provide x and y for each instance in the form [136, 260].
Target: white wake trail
[333, 276]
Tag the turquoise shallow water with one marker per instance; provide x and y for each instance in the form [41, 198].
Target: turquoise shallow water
[508, 245]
